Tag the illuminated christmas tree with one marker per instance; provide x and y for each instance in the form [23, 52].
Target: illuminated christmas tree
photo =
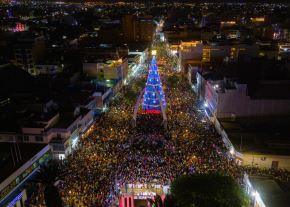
[151, 103]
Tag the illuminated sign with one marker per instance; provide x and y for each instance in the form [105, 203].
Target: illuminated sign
[258, 19]
[19, 27]
[144, 195]
[14, 201]
[152, 111]
[228, 22]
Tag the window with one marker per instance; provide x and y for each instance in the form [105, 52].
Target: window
[58, 147]
[25, 138]
[39, 138]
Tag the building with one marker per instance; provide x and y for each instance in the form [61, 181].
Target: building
[197, 53]
[53, 63]
[129, 28]
[107, 69]
[102, 96]
[258, 142]
[145, 30]
[265, 191]
[28, 49]
[27, 117]
[230, 97]
[47, 69]
[137, 28]
[19, 163]
[60, 130]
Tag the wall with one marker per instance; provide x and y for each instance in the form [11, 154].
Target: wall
[48, 69]
[214, 53]
[31, 130]
[146, 30]
[86, 120]
[250, 159]
[113, 72]
[258, 160]
[90, 69]
[6, 137]
[51, 122]
[236, 102]
[55, 132]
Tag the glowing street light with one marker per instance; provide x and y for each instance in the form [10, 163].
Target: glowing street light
[232, 151]
[153, 52]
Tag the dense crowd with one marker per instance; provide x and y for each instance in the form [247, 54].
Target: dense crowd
[114, 153]
[278, 174]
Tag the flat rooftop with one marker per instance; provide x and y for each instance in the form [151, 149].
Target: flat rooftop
[65, 120]
[265, 135]
[7, 165]
[271, 192]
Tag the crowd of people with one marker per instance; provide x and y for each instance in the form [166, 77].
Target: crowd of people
[114, 153]
[280, 175]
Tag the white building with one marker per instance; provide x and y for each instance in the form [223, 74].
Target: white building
[227, 98]
[61, 131]
[109, 70]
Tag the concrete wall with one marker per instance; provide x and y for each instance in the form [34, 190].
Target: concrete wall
[236, 102]
[265, 161]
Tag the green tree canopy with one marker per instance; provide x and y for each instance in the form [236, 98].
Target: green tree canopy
[130, 96]
[48, 175]
[141, 83]
[172, 81]
[211, 190]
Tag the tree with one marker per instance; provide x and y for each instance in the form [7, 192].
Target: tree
[154, 97]
[212, 190]
[172, 81]
[130, 96]
[51, 196]
[140, 83]
[48, 175]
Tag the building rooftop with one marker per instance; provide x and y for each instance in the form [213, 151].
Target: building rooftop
[19, 77]
[8, 161]
[271, 192]
[271, 90]
[265, 135]
[137, 47]
[65, 120]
